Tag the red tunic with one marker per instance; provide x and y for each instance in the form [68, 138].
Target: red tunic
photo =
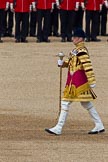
[44, 4]
[93, 4]
[3, 4]
[68, 4]
[22, 5]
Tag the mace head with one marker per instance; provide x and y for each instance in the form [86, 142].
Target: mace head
[61, 55]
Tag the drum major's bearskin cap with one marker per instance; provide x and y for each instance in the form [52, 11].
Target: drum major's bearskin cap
[78, 32]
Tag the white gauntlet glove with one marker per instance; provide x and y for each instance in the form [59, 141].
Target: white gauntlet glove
[77, 6]
[33, 5]
[82, 5]
[60, 62]
[100, 7]
[7, 5]
[30, 8]
[92, 85]
[106, 3]
[11, 6]
[52, 6]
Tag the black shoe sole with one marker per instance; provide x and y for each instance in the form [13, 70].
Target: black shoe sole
[24, 41]
[63, 40]
[17, 41]
[87, 40]
[96, 132]
[38, 41]
[47, 41]
[69, 40]
[48, 131]
[95, 40]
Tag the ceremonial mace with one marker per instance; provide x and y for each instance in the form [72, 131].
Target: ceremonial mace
[60, 55]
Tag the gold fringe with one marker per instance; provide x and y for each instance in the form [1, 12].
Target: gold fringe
[77, 99]
[72, 90]
[81, 95]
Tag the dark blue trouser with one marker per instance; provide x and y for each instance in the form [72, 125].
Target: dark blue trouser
[21, 24]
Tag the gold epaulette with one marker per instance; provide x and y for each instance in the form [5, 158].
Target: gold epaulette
[77, 51]
[80, 47]
[82, 50]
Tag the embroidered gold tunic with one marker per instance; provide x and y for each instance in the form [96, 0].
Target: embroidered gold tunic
[80, 75]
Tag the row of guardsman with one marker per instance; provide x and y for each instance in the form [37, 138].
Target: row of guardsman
[44, 18]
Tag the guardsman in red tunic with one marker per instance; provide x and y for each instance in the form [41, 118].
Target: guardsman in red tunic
[103, 19]
[3, 7]
[33, 20]
[54, 22]
[93, 7]
[80, 14]
[21, 8]
[68, 10]
[44, 8]
[8, 21]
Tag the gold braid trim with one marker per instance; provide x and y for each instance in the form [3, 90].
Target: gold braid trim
[73, 91]
[77, 99]
[82, 89]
